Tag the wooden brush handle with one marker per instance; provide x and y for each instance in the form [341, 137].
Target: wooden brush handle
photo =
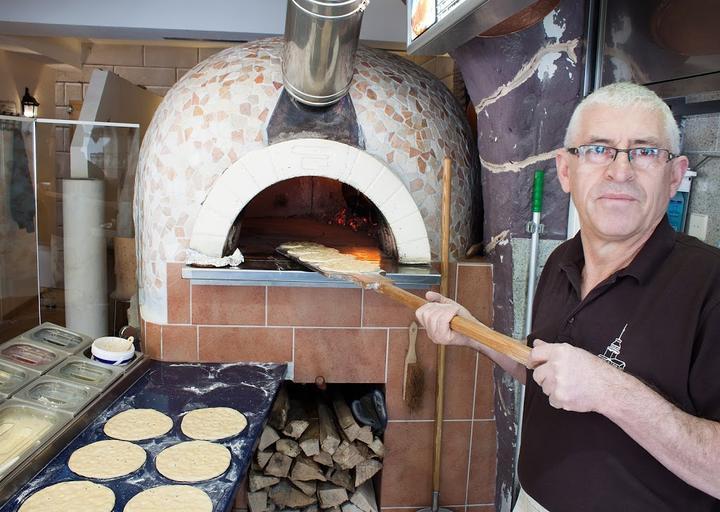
[511, 347]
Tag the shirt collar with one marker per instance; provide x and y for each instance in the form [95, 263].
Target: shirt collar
[641, 267]
[652, 254]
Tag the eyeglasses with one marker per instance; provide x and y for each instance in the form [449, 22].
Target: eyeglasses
[639, 158]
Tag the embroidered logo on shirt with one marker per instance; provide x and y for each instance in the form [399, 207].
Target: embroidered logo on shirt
[613, 351]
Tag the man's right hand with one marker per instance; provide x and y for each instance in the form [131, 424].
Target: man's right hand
[436, 316]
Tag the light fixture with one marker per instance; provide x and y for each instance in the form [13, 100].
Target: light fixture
[29, 104]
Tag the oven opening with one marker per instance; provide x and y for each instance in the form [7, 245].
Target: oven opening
[314, 209]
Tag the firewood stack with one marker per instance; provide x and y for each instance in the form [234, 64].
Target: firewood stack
[313, 455]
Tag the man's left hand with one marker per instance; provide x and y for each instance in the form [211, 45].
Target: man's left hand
[572, 378]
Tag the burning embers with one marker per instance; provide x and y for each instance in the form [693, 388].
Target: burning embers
[311, 208]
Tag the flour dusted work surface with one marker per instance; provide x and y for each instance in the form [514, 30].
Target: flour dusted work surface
[138, 424]
[107, 459]
[174, 389]
[178, 498]
[71, 496]
[213, 423]
[193, 461]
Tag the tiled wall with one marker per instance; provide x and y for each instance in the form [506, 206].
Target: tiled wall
[352, 335]
[701, 137]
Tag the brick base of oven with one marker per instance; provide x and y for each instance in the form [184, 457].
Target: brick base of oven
[354, 336]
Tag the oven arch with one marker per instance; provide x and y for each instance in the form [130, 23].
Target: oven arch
[259, 169]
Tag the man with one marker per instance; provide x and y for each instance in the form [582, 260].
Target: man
[623, 399]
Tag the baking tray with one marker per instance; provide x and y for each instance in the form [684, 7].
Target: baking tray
[29, 354]
[57, 394]
[86, 372]
[17, 441]
[14, 377]
[175, 389]
[59, 338]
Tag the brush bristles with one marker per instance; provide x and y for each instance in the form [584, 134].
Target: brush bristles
[415, 386]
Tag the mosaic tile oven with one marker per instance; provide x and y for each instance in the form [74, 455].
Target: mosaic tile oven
[211, 130]
[206, 155]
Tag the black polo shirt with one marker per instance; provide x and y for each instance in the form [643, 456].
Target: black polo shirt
[659, 319]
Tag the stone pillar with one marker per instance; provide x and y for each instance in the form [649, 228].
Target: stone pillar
[524, 87]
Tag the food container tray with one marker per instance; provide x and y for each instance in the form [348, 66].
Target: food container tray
[29, 354]
[59, 338]
[53, 393]
[14, 377]
[23, 428]
[83, 371]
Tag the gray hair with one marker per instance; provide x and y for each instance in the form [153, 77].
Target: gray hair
[626, 95]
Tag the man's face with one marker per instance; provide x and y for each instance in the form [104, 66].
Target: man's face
[618, 202]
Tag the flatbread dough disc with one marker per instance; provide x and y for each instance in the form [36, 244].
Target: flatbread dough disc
[300, 245]
[348, 266]
[107, 459]
[138, 424]
[213, 423]
[193, 461]
[178, 498]
[78, 496]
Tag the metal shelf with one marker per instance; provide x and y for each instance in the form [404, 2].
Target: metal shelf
[404, 276]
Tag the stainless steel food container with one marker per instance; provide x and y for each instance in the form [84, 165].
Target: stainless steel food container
[14, 377]
[28, 354]
[57, 394]
[321, 38]
[83, 371]
[25, 427]
[58, 338]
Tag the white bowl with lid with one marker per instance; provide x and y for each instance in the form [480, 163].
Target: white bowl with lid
[113, 350]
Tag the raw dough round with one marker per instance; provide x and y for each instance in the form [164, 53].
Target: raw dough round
[178, 498]
[138, 424]
[348, 266]
[78, 496]
[213, 423]
[193, 461]
[107, 459]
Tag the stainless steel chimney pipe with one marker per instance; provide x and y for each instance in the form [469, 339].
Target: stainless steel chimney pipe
[320, 42]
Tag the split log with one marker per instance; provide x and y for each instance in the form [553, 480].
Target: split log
[262, 458]
[324, 458]
[377, 447]
[288, 447]
[268, 437]
[365, 435]
[349, 507]
[364, 497]
[258, 481]
[310, 440]
[285, 495]
[340, 477]
[329, 437]
[345, 418]
[347, 456]
[296, 421]
[366, 470]
[309, 488]
[306, 469]
[330, 495]
[279, 412]
[257, 501]
[278, 465]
